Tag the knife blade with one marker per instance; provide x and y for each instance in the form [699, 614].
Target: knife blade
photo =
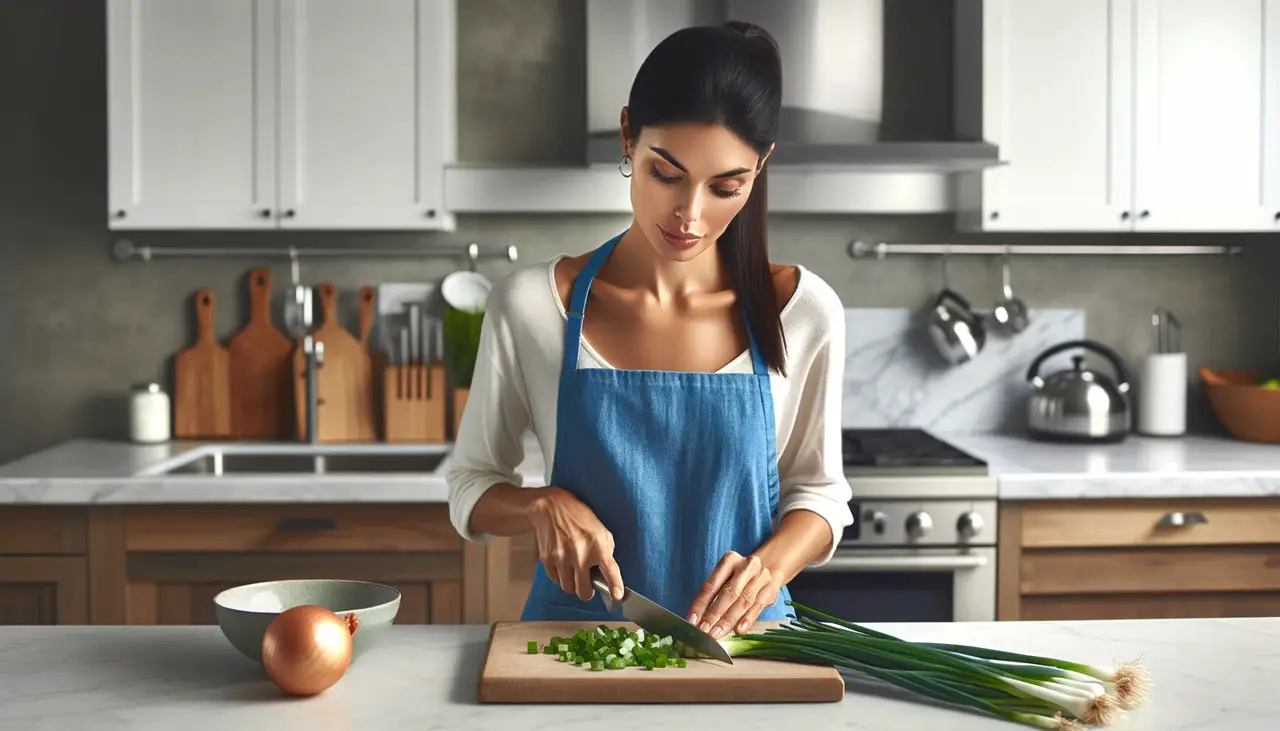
[657, 619]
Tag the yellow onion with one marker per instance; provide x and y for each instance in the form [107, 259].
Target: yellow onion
[308, 648]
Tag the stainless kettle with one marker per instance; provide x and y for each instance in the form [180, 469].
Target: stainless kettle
[1080, 404]
[957, 332]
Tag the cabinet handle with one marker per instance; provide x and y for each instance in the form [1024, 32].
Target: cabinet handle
[306, 524]
[1179, 519]
[289, 213]
[1144, 214]
[1124, 216]
[121, 214]
[265, 213]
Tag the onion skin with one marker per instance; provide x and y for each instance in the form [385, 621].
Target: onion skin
[307, 649]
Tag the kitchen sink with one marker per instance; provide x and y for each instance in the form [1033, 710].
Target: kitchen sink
[232, 461]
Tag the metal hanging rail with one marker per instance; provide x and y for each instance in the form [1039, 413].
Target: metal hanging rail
[862, 249]
[126, 250]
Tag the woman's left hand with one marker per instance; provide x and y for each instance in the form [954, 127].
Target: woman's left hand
[740, 588]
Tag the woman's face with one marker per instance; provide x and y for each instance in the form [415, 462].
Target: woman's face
[688, 181]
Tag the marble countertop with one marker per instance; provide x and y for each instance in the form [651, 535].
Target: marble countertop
[90, 471]
[1139, 467]
[85, 471]
[1207, 674]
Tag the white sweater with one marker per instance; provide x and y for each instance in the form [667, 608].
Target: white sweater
[517, 378]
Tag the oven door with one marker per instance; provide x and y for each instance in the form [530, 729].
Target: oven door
[919, 585]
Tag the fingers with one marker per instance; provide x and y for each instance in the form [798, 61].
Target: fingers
[582, 579]
[719, 575]
[725, 609]
[567, 573]
[612, 576]
[765, 594]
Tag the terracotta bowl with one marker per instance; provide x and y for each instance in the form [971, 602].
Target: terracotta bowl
[1247, 411]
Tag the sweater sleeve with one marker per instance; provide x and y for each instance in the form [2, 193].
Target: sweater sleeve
[811, 466]
[489, 445]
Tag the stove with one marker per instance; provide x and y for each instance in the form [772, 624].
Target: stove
[909, 451]
[912, 463]
[922, 546]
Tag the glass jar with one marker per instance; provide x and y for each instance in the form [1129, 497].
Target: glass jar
[149, 414]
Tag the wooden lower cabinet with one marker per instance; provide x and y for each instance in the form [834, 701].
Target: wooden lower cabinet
[1139, 559]
[164, 564]
[43, 590]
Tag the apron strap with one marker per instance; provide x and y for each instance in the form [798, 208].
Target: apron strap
[578, 302]
[757, 361]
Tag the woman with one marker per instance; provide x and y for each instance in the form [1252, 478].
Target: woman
[694, 457]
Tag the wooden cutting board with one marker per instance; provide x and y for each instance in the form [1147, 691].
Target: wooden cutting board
[344, 384]
[511, 675]
[201, 381]
[261, 360]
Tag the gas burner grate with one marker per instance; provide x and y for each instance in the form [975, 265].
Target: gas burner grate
[902, 448]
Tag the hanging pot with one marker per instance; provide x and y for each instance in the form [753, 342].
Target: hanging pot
[957, 332]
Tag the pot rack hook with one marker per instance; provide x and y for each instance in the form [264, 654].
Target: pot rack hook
[295, 267]
[473, 254]
[946, 254]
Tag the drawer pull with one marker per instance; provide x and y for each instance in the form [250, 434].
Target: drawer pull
[306, 524]
[1177, 520]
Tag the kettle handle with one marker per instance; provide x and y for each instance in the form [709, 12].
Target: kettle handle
[1122, 373]
[951, 294]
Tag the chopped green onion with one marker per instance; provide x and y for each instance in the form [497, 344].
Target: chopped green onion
[533, 647]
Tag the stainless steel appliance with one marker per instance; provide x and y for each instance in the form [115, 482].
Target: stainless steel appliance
[922, 546]
[1079, 404]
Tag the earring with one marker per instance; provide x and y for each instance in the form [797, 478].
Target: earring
[624, 166]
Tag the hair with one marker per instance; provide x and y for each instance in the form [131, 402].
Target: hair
[728, 75]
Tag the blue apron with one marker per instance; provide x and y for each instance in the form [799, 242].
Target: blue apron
[680, 467]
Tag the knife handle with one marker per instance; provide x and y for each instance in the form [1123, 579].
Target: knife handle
[602, 587]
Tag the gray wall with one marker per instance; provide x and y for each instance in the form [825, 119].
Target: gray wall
[77, 329]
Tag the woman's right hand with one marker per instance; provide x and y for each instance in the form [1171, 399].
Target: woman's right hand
[571, 539]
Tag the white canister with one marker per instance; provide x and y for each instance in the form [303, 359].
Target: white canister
[149, 414]
[1162, 397]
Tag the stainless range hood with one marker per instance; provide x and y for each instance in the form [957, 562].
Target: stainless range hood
[833, 80]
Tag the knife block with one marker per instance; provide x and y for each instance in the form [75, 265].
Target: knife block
[460, 394]
[413, 403]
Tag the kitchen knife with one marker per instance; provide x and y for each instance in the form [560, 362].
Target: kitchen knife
[656, 619]
[427, 342]
[415, 336]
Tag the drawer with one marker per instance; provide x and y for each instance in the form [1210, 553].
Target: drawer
[1119, 523]
[374, 528]
[1164, 571]
[35, 530]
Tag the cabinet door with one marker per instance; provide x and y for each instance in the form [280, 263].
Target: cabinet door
[192, 91]
[366, 113]
[43, 590]
[1056, 99]
[1207, 115]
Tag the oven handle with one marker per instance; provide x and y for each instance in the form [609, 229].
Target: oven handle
[901, 563]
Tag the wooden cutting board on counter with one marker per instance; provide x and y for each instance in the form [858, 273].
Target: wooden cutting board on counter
[261, 366]
[344, 383]
[201, 381]
[511, 675]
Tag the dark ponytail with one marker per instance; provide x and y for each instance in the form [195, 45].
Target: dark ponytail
[729, 75]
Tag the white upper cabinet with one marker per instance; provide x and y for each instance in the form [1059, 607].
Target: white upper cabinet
[300, 114]
[192, 114]
[1207, 115]
[1128, 115]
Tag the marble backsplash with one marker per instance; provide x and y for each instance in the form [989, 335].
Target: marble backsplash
[895, 378]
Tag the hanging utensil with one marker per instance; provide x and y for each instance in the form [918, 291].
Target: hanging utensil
[1010, 312]
[957, 332]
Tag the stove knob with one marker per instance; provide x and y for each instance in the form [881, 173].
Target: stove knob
[919, 523]
[878, 520]
[969, 525]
